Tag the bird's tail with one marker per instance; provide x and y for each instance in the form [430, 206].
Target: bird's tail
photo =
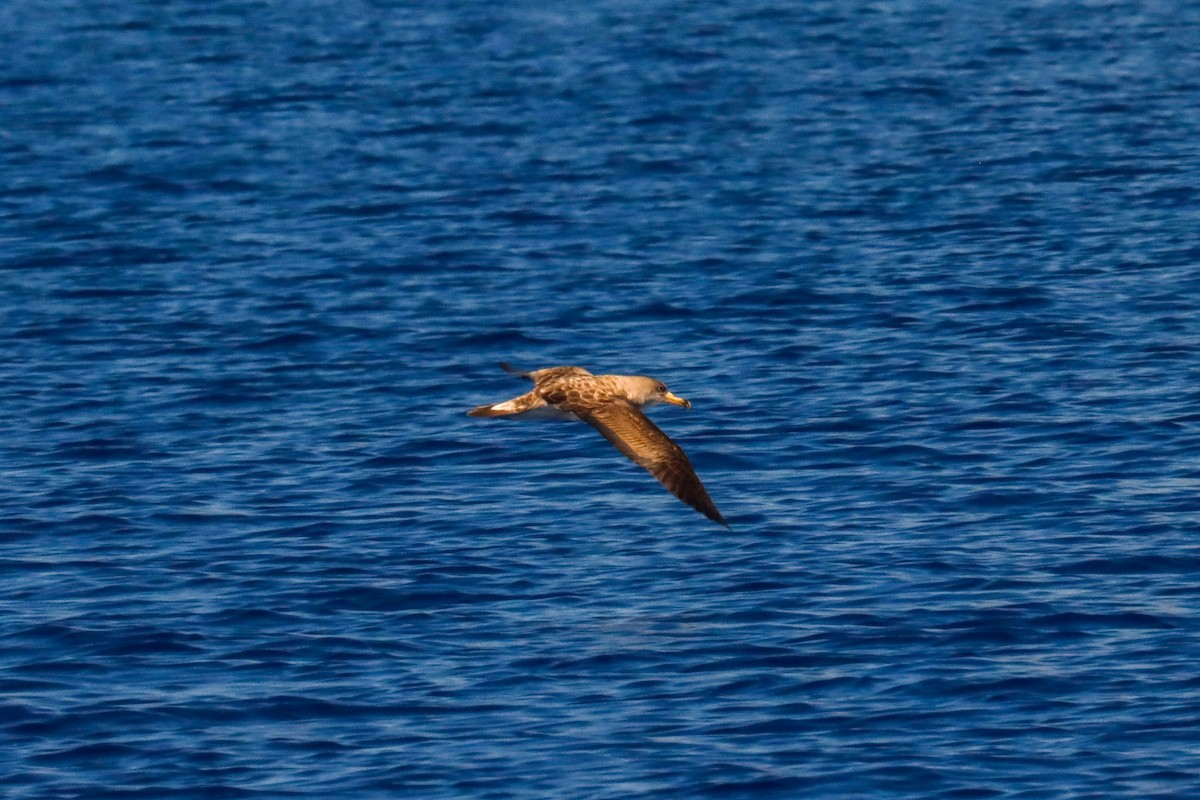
[518, 405]
[489, 411]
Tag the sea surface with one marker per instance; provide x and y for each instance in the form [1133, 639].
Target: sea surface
[929, 273]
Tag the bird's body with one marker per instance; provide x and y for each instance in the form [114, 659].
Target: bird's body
[612, 405]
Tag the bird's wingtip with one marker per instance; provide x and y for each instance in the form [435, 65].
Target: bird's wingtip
[509, 368]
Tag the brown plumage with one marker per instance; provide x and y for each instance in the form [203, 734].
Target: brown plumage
[612, 405]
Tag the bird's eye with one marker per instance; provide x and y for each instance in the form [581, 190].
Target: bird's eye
[662, 387]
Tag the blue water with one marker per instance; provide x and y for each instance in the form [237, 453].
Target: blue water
[929, 274]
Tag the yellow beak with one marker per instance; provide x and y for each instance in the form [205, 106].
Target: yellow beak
[676, 400]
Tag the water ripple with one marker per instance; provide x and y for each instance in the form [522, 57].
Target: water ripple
[927, 275]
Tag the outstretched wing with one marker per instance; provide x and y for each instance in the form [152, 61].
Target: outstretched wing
[539, 375]
[646, 445]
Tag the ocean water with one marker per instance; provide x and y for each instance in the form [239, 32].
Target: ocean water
[930, 275]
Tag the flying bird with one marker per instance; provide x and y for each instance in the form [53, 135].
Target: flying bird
[612, 405]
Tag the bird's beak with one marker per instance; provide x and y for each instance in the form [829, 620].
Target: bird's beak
[675, 400]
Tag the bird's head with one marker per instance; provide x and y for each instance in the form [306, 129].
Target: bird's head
[647, 391]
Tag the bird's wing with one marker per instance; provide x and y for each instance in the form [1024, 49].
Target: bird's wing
[646, 445]
[539, 375]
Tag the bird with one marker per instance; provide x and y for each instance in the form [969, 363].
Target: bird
[612, 404]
